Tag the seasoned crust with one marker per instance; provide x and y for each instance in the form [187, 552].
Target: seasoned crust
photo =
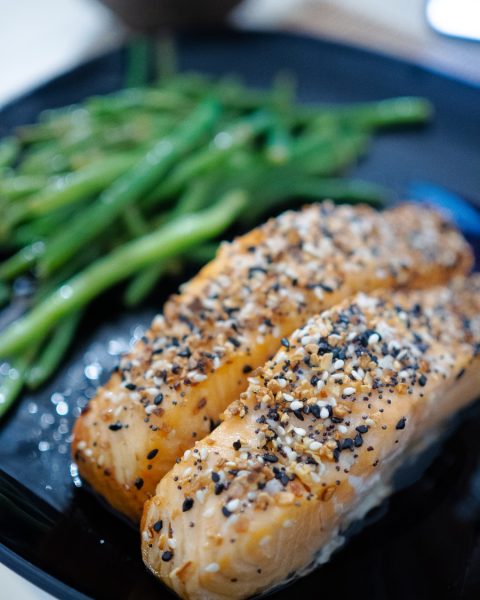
[314, 440]
[171, 388]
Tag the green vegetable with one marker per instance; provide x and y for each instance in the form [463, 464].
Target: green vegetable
[53, 353]
[128, 188]
[176, 237]
[9, 149]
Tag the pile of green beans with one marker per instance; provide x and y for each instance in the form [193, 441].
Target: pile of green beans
[130, 185]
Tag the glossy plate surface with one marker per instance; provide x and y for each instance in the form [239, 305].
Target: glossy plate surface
[425, 542]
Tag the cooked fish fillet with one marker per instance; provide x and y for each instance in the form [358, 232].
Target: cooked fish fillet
[313, 442]
[230, 318]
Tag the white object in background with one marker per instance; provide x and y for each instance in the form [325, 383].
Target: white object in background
[40, 39]
[14, 586]
[459, 18]
[263, 14]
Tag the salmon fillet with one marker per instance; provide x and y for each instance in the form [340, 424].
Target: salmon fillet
[170, 389]
[313, 442]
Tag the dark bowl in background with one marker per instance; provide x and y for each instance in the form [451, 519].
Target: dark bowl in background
[151, 15]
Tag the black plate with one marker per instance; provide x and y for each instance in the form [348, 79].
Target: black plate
[426, 543]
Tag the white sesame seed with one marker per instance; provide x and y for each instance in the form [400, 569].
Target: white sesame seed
[342, 429]
[373, 339]
[356, 375]
[288, 398]
[203, 453]
[348, 391]
[315, 446]
[187, 472]
[145, 535]
[338, 364]
[296, 405]
[82, 444]
[324, 413]
[200, 495]
[233, 505]
[208, 512]
[172, 542]
[212, 568]
[299, 431]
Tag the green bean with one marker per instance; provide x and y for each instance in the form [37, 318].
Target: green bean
[176, 237]
[213, 156]
[203, 254]
[129, 188]
[279, 143]
[54, 352]
[392, 112]
[138, 62]
[9, 149]
[288, 185]
[143, 283]
[81, 184]
[4, 293]
[11, 384]
[165, 57]
[18, 186]
[21, 261]
[134, 222]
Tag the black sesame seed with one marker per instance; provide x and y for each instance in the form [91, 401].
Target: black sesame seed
[187, 504]
[460, 373]
[185, 353]
[167, 555]
[152, 454]
[362, 428]
[358, 440]
[271, 458]
[401, 423]
[131, 386]
[247, 369]
[237, 445]
[219, 487]
[115, 426]
[158, 526]
[215, 477]
[422, 380]
[347, 443]
[315, 410]
[225, 511]
[284, 341]
[158, 399]
[138, 483]
[234, 341]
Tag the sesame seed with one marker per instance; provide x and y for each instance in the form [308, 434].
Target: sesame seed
[157, 526]
[233, 505]
[187, 504]
[212, 568]
[348, 391]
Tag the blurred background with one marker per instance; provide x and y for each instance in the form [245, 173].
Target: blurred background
[41, 39]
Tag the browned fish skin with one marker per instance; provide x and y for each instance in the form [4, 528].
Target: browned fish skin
[313, 441]
[230, 319]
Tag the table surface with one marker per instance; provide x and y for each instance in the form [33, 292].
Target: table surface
[64, 33]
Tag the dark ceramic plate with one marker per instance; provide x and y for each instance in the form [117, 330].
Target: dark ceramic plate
[426, 542]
